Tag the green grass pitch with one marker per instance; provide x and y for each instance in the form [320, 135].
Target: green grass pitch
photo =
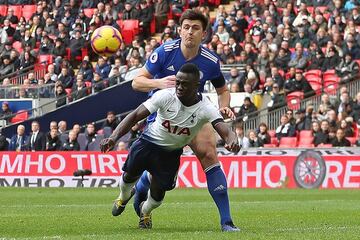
[54, 213]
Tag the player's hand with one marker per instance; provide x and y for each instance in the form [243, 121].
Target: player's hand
[227, 113]
[167, 82]
[233, 144]
[107, 144]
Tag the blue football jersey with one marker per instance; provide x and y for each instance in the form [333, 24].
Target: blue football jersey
[167, 59]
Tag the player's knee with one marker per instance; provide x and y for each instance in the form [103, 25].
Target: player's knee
[208, 158]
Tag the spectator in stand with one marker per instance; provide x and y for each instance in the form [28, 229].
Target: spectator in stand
[62, 127]
[263, 134]
[90, 135]
[347, 128]
[46, 45]
[317, 60]
[103, 68]
[37, 139]
[332, 59]
[51, 71]
[340, 140]
[298, 59]
[352, 47]
[121, 146]
[303, 121]
[4, 145]
[116, 77]
[53, 142]
[130, 12]
[98, 83]
[145, 17]
[111, 120]
[18, 141]
[243, 141]
[332, 118]
[6, 67]
[65, 78]
[252, 79]
[71, 144]
[345, 104]
[76, 44]
[79, 89]
[348, 69]
[276, 77]
[248, 109]
[285, 129]
[11, 17]
[299, 83]
[76, 128]
[356, 108]
[277, 98]
[87, 71]
[59, 49]
[6, 113]
[254, 140]
[60, 95]
[282, 59]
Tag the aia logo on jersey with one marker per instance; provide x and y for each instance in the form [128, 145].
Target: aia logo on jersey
[175, 129]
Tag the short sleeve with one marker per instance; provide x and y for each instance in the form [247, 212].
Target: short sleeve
[211, 113]
[156, 60]
[156, 101]
[218, 80]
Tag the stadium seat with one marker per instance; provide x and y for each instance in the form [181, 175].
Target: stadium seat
[20, 116]
[82, 141]
[28, 11]
[306, 140]
[107, 131]
[310, 10]
[305, 133]
[306, 145]
[88, 85]
[274, 141]
[17, 46]
[316, 86]
[89, 12]
[128, 36]
[288, 142]
[131, 24]
[95, 145]
[324, 146]
[294, 99]
[272, 133]
[330, 86]
[322, 8]
[352, 140]
[45, 59]
[329, 73]
[17, 10]
[68, 91]
[3, 10]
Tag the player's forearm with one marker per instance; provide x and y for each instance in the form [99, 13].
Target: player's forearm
[224, 98]
[129, 121]
[144, 84]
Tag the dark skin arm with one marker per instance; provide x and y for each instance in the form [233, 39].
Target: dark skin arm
[124, 126]
[231, 141]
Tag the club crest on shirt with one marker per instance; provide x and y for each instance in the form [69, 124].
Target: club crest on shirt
[154, 57]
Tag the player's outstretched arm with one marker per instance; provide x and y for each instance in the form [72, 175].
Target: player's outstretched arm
[231, 141]
[224, 102]
[144, 81]
[124, 126]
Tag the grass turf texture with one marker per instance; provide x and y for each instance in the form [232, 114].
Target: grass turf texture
[54, 213]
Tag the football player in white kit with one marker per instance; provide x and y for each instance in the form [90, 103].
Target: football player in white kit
[181, 113]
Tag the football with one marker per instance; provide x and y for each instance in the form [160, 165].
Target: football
[106, 40]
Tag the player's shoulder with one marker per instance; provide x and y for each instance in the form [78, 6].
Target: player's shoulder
[209, 55]
[207, 104]
[166, 93]
[171, 46]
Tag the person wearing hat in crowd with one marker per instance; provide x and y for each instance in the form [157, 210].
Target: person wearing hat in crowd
[6, 50]
[98, 83]
[7, 67]
[248, 109]
[303, 122]
[59, 50]
[302, 37]
[6, 112]
[348, 69]
[46, 45]
[332, 59]
[130, 12]
[317, 60]
[87, 71]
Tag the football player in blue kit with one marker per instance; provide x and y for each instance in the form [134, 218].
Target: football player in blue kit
[181, 114]
[159, 73]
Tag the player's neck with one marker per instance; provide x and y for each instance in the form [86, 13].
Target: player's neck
[189, 53]
[189, 102]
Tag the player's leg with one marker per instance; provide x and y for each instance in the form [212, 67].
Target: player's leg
[141, 193]
[133, 168]
[204, 147]
[154, 200]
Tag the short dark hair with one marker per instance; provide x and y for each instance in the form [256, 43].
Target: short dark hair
[191, 69]
[191, 14]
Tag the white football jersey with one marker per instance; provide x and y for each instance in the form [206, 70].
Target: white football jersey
[175, 124]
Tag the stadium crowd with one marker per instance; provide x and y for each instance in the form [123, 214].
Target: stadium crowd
[277, 47]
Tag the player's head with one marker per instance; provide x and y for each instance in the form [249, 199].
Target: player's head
[187, 82]
[193, 25]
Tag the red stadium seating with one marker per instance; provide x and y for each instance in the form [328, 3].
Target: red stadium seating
[288, 142]
[3, 10]
[331, 85]
[17, 46]
[324, 146]
[270, 145]
[131, 24]
[28, 11]
[45, 59]
[306, 140]
[316, 86]
[294, 99]
[274, 141]
[272, 133]
[352, 140]
[89, 12]
[128, 36]
[305, 133]
[306, 145]
[20, 116]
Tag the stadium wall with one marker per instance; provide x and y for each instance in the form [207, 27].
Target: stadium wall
[258, 168]
[120, 99]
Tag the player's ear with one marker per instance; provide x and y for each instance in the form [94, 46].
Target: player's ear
[204, 34]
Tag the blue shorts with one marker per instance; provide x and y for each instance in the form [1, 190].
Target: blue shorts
[161, 163]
